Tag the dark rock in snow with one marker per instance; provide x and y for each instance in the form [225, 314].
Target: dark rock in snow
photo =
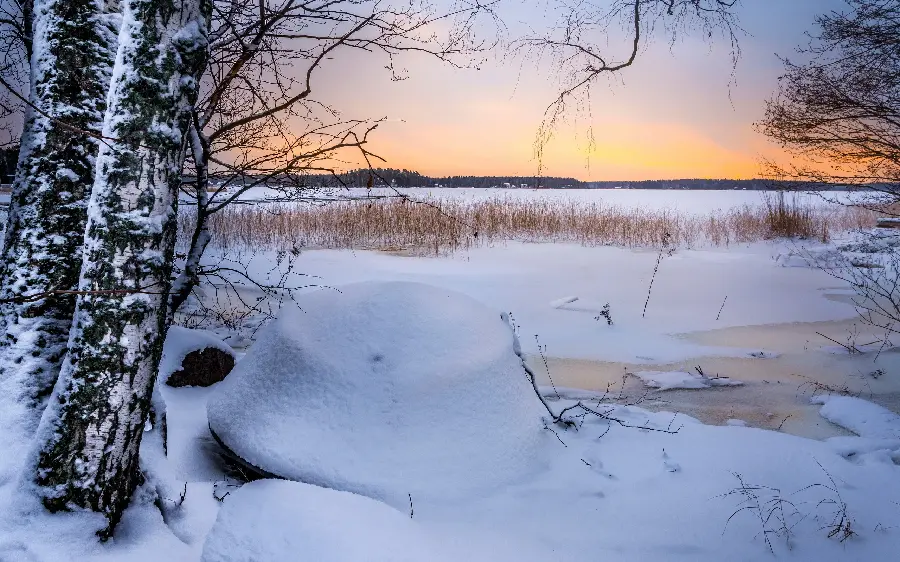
[203, 367]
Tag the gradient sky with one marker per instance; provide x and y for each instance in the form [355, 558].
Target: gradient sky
[668, 116]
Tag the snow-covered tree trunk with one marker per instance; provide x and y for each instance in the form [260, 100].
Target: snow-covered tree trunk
[91, 431]
[188, 278]
[71, 65]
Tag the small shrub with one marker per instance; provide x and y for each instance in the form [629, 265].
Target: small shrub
[605, 314]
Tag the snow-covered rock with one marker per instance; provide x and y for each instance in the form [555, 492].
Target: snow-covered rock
[281, 521]
[385, 389]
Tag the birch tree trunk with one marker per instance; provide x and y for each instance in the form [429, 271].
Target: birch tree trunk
[91, 431]
[71, 66]
[189, 278]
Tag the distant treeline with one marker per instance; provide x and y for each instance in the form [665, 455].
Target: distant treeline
[381, 177]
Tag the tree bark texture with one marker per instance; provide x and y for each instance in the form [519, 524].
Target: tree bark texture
[71, 66]
[92, 429]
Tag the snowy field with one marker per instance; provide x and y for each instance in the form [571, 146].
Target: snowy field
[394, 417]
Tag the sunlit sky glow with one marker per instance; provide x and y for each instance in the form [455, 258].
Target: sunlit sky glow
[679, 112]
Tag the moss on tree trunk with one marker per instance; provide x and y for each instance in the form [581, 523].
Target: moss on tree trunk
[71, 69]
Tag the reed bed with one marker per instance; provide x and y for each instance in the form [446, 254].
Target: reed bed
[441, 226]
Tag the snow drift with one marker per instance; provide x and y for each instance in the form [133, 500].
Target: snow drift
[278, 521]
[862, 417]
[387, 389]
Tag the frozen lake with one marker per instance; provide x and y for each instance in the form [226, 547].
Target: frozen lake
[699, 202]
[685, 201]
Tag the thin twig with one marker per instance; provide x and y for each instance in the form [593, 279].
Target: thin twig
[849, 348]
[721, 307]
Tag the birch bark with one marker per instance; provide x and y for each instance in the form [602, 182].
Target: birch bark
[73, 50]
[92, 429]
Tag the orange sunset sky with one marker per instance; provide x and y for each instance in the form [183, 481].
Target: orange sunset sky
[679, 112]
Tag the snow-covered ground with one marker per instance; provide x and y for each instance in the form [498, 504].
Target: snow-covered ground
[746, 313]
[633, 485]
[642, 482]
[533, 281]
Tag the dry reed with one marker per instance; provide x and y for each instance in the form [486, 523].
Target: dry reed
[441, 226]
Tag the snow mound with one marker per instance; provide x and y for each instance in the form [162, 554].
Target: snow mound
[280, 521]
[864, 450]
[181, 341]
[859, 416]
[384, 389]
[670, 380]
